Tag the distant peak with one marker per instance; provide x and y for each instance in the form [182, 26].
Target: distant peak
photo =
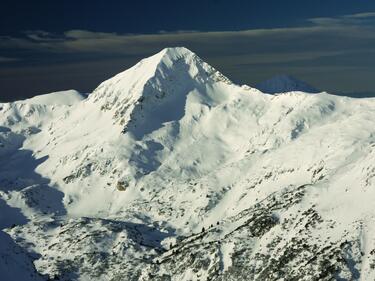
[284, 77]
[176, 66]
[285, 83]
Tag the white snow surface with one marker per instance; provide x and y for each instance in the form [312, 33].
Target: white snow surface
[68, 97]
[99, 189]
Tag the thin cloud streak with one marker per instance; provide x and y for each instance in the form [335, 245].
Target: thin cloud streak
[311, 51]
[75, 41]
[6, 59]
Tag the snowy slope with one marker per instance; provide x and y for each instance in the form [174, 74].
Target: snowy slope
[285, 83]
[168, 171]
[68, 97]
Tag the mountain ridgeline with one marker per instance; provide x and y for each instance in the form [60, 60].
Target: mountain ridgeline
[169, 171]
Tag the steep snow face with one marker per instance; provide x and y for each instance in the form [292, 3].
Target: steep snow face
[284, 83]
[168, 171]
[155, 90]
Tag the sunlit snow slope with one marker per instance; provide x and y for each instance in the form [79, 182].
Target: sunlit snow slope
[169, 171]
[68, 97]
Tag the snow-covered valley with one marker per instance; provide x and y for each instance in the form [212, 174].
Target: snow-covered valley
[169, 171]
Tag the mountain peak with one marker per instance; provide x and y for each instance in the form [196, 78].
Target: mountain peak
[284, 83]
[149, 67]
[161, 71]
[141, 98]
[168, 56]
[177, 52]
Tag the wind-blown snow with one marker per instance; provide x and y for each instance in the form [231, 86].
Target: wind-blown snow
[169, 170]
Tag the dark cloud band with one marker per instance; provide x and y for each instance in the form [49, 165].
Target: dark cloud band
[338, 48]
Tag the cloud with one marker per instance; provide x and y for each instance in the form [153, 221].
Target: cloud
[86, 35]
[361, 15]
[359, 20]
[84, 41]
[317, 37]
[42, 36]
[318, 49]
[5, 59]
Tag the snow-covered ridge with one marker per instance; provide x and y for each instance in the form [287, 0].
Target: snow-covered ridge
[168, 171]
[68, 97]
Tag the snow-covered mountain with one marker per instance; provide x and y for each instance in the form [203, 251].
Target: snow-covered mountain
[283, 84]
[169, 171]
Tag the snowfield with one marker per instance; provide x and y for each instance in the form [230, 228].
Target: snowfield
[169, 171]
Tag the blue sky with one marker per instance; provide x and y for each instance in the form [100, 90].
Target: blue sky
[54, 45]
